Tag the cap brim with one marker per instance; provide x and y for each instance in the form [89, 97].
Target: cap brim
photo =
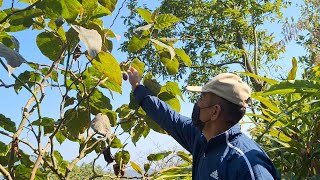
[194, 88]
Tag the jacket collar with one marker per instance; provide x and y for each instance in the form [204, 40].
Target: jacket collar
[221, 138]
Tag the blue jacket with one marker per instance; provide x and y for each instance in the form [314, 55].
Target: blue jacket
[230, 155]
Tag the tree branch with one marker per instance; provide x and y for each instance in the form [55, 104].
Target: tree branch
[5, 172]
[20, 10]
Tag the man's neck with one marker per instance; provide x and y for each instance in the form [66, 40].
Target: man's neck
[214, 129]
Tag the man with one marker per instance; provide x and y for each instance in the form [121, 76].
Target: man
[212, 135]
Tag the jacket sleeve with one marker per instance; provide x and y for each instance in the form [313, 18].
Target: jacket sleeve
[178, 126]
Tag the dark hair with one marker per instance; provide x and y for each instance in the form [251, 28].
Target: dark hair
[230, 111]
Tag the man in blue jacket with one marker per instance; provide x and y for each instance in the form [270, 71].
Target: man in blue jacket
[212, 135]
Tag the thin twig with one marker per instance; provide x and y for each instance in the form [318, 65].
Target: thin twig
[117, 14]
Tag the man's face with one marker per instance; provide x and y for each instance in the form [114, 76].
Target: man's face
[208, 106]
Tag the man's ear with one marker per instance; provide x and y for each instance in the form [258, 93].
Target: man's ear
[216, 112]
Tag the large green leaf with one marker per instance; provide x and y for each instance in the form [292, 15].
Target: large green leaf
[138, 65]
[153, 125]
[186, 157]
[172, 88]
[4, 149]
[108, 65]
[292, 86]
[7, 124]
[22, 20]
[24, 172]
[122, 157]
[172, 66]
[49, 45]
[145, 14]
[124, 113]
[109, 4]
[165, 20]
[26, 76]
[89, 7]
[47, 123]
[293, 72]
[136, 44]
[183, 56]
[272, 105]
[171, 100]
[151, 83]
[158, 156]
[68, 9]
[99, 102]
[76, 122]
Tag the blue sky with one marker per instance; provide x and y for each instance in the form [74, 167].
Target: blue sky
[11, 104]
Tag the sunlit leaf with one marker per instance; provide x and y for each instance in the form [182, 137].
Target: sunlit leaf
[172, 88]
[171, 100]
[138, 65]
[4, 149]
[108, 65]
[136, 44]
[109, 4]
[293, 72]
[169, 48]
[136, 167]
[165, 20]
[145, 14]
[184, 56]
[122, 157]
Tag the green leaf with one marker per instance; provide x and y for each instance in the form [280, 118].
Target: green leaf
[109, 4]
[76, 122]
[1, 1]
[165, 20]
[100, 12]
[99, 102]
[158, 156]
[89, 7]
[163, 45]
[49, 45]
[4, 149]
[151, 84]
[268, 80]
[291, 86]
[61, 163]
[185, 157]
[172, 88]
[24, 172]
[136, 167]
[47, 123]
[183, 56]
[68, 9]
[69, 102]
[138, 65]
[7, 124]
[124, 113]
[116, 143]
[146, 167]
[137, 132]
[108, 65]
[122, 157]
[268, 103]
[60, 137]
[145, 14]
[171, 100]
[136, 44]
[293, 72]
[5, 39]
[22, 20]
[172, 66]
[153, 125]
